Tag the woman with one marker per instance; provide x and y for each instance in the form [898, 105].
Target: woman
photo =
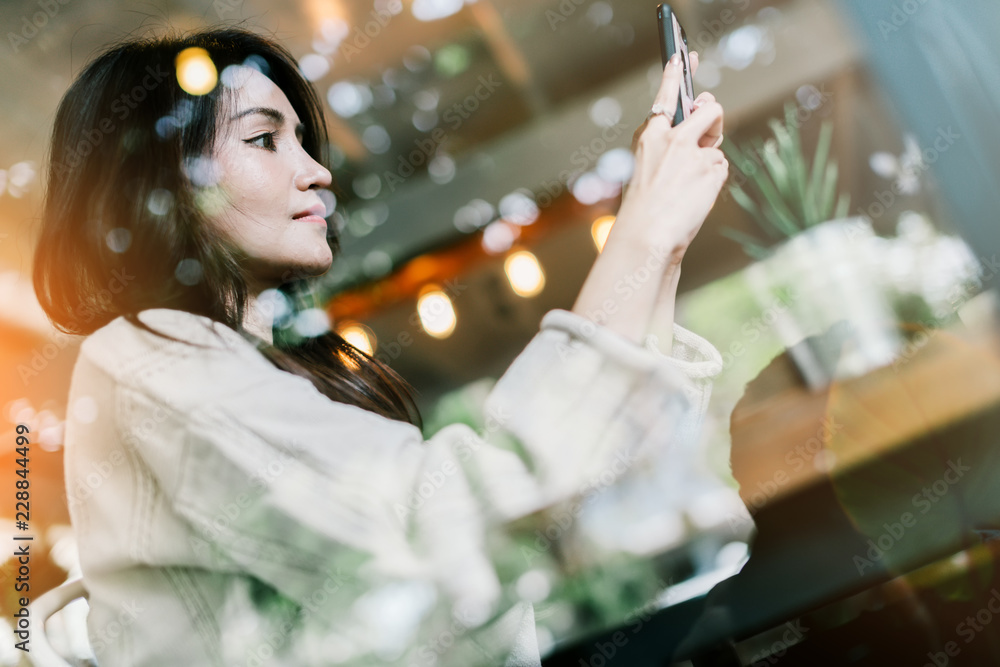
[239, 503]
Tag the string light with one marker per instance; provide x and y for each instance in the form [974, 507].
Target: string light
[600, 230]
[196, 72]
[359, 336]
[524, 273]
[437, 313]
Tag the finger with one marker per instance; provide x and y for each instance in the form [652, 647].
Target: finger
[722, 169]
[637, 134]
[704, 122]
[670, 87]
[714, 156]
[694, 59]
[711, 139]
[703, 98]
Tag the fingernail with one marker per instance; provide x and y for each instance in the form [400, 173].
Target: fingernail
[675, 60]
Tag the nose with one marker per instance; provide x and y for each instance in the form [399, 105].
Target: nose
[312, 174]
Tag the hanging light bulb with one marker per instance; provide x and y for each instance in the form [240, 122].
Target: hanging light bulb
[600, 230]
[524, 273]
[359, 336]
[437, 313]
[196, 72]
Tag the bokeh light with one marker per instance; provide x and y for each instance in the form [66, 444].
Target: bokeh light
[196, 73]
[437, 313]
[524, 273]
[359, 336]
[600, 229]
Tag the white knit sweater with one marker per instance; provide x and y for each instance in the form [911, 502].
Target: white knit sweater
[227, 513]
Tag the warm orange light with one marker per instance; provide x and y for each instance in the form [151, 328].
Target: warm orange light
[437, 313]
[324, 10]
[600, 230]
[196, 72]
[524, 273]
[359, 336]
[348, 360]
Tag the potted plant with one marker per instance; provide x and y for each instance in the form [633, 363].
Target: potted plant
[817, 260]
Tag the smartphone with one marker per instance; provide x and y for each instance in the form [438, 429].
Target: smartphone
[672, 40]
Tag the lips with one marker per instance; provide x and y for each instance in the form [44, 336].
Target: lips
[316, 210]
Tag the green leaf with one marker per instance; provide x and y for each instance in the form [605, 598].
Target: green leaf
[751, 246]
[783, 191]
[748, 205]
[776, 168]
[774, 206]
[829, 191]
[843, 205]
[798, 165]
[818, 169]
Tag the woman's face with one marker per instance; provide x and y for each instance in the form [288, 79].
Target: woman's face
[270, 185]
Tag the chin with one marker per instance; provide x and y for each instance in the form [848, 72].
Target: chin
[313, 260]
[299, 270]
[315, 267]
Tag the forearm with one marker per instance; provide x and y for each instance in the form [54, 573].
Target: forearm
[624, 290]
[661, 322]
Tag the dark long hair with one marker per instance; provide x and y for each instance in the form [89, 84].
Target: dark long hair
[124, 228]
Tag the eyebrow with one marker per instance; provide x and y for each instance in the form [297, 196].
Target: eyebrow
[274, 115]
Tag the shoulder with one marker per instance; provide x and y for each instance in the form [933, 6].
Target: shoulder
[120, 342]
[193, 355]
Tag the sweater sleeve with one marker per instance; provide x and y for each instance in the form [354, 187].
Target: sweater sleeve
[580, 399]
[313, 491]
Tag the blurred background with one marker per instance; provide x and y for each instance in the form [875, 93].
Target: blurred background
[480, 149]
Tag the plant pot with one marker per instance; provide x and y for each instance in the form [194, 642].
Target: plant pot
[839, 322]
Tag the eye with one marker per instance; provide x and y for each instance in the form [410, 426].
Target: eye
[267, 143]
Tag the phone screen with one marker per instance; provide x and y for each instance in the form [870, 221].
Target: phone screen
[673, 40]
[687, 90]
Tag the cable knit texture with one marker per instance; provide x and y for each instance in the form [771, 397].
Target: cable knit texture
[227, 513]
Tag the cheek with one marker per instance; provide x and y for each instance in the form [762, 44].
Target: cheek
[250, 182]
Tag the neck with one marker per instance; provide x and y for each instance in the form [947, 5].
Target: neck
[259, 319]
